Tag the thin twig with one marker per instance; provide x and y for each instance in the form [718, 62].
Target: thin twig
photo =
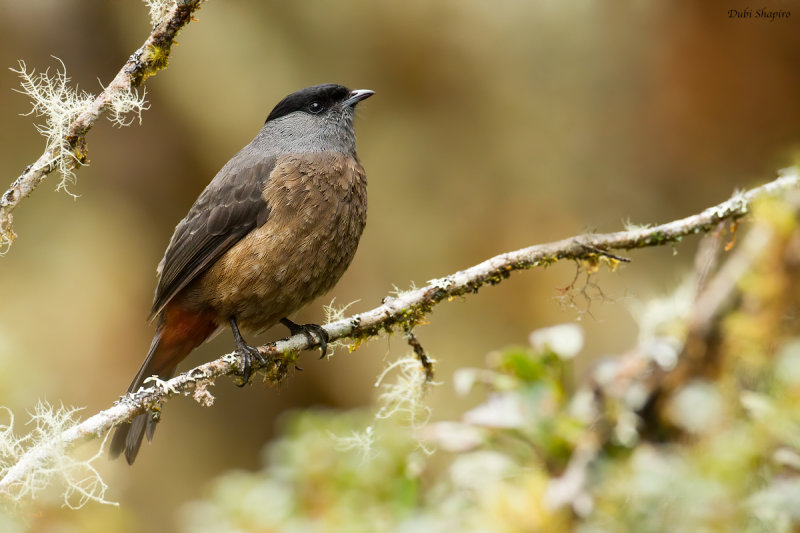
[419, 351]
[403, 311]
[145, 62]
[606, 253]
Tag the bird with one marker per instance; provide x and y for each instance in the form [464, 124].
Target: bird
[275, 228]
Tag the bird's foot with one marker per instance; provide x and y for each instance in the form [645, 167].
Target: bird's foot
[247, 353]
[307, 330]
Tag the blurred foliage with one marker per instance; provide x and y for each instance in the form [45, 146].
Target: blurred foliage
[727, 456]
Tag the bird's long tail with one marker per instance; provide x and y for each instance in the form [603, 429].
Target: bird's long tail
[179, 332]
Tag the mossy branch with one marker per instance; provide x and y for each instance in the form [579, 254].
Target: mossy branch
[402, 312]
[69, 150]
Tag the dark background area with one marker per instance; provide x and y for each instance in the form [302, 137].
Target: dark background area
[494, 126]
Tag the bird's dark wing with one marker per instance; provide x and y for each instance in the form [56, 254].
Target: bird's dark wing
[227, 210]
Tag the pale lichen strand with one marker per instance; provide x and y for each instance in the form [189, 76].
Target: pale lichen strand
[158, 9]
[48, 460]
[67, 147]
[60, 104]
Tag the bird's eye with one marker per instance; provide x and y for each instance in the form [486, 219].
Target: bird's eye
[314, 107]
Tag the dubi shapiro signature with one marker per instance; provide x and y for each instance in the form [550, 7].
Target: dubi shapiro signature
[762, 14]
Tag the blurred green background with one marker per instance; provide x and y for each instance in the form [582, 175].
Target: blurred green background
[494, 126]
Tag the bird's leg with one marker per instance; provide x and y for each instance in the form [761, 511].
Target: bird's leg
[246, 352]
[307, 329]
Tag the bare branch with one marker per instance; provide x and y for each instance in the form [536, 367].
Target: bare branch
[407, 309]
[71, 151]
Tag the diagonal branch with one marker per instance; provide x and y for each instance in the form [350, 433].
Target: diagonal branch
[403, 312]
[644, 380]
[145, 62]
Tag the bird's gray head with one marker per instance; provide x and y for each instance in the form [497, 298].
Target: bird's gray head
[313, 119]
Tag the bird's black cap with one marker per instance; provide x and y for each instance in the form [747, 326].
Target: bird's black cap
[324, 95]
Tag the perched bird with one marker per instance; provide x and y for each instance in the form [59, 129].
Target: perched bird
[276, 227]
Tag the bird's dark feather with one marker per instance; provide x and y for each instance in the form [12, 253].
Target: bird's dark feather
[228, 209]
[326, 94]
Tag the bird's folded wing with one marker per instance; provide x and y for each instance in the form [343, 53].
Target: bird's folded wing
[228, 209]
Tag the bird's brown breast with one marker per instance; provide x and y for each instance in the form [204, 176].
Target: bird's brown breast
[317, 212]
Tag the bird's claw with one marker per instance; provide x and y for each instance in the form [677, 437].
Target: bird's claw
[248, 354]
[309, 330]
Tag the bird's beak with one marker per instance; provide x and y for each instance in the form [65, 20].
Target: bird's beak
[356, 96]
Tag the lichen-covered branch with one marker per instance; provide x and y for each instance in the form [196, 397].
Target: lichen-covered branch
[71, 151]
[639, 388]
[405, 310]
